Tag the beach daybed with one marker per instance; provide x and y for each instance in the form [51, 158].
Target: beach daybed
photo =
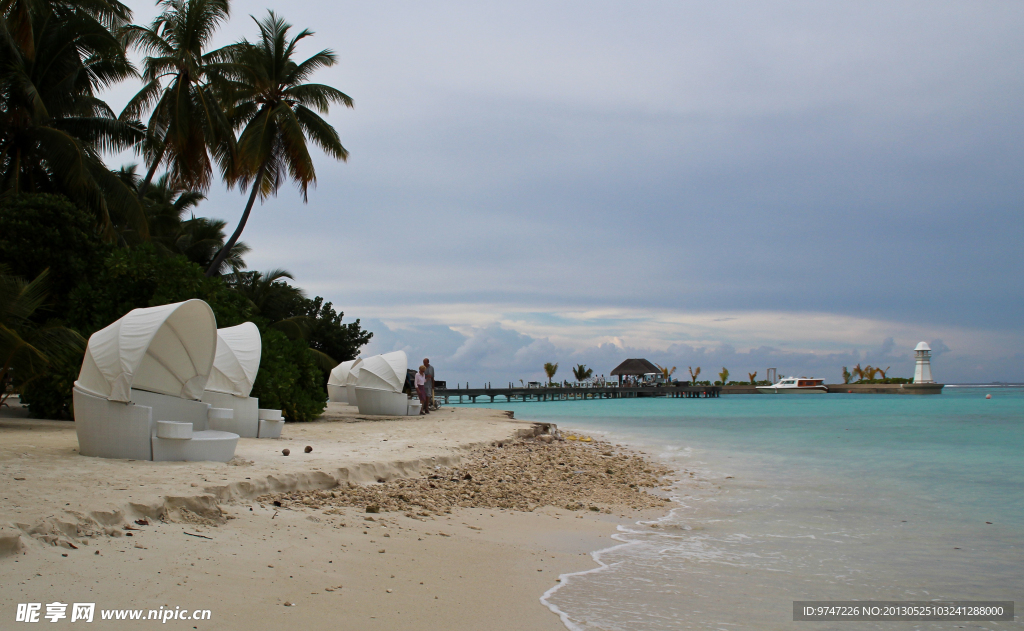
[379, 386]
[336, 383]
[137, 395]
[235, 366]
[351, 381]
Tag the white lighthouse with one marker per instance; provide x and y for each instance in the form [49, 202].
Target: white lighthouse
[923, 370]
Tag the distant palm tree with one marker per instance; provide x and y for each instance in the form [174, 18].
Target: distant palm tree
[187, 120]
[753, 377]
[272, 102]
[694, 375]
[666, 372]
[883, 371]
[858, 372]
[581, 372]
[724, 375]
[550, 370]
[174, 228]
[272, 298]
[26, 347]
[267, 292]
[846, 375]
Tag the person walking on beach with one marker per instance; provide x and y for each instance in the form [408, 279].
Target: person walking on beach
[421, 389]
[429, 376]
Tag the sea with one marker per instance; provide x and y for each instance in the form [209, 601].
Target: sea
[785, 498]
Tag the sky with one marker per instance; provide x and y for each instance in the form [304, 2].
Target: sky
[798, 185]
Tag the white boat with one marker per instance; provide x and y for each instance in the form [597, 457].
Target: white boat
[795, 385]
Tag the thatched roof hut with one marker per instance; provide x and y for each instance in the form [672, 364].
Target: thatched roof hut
[635, 367]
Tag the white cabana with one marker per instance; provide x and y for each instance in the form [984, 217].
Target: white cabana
[235, 367]
[336, 390]
[384, 372]
[237, 360]
[167, 349]
[379, 385]
[137, 393]
[351, 381]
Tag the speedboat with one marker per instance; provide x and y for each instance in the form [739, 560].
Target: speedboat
[795, 385]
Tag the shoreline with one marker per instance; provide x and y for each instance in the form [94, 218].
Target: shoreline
[470, 567]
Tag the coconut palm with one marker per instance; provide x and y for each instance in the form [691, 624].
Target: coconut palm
[57, 56]
[694, 374]
[27, 348]
[753, 377]
[724, 375]
[274, 108]
[187, 121]
[550, 370]
[174, 228]
[581, 372]
[666, 373]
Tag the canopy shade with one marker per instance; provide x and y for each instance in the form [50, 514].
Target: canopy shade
[167, 349]
[635, 367]
[339, 376]
[353, 373]
[383, 372]
[237, 360]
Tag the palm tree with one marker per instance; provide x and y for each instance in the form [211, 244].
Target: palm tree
[694, 375]
[272, 298]
[174, 228]
[272, 104]
[187, 121]
[581, 372]
[26, 347]
[550, 370]
[666, 373]
[753, 377]
[268, 292]
[846, 375]
[57, 56]
[724, 375]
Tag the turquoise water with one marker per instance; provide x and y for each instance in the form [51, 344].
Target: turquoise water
[830, 497]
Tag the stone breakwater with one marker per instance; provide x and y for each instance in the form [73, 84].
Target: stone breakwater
[518, 475]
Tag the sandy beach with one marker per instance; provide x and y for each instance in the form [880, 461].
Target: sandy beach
[270, 539]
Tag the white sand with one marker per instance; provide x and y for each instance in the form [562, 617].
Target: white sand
[487, 573]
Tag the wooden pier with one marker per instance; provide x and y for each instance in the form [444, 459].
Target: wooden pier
[572, 393]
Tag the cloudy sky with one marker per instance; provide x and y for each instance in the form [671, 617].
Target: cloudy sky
[803, 185]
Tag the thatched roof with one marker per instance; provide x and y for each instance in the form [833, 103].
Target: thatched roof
[635, 367]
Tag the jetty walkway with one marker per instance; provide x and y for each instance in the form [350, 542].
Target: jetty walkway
[574, 393]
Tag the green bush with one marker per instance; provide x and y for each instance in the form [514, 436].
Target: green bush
[289, 378]
[125, 280]
[48, 231]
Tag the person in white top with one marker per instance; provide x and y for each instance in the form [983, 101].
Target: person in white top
[420, 381]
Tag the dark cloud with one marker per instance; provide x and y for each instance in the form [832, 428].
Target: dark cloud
[859, 159]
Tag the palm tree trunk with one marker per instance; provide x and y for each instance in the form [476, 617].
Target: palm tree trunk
[152, 170]
[224, 251]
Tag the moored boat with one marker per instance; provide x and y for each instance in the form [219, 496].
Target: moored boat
[795, 385]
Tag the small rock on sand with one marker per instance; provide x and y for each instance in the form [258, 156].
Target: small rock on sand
[286, 451]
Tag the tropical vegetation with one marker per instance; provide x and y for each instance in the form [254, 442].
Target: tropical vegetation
[550, 369]
[81, 244]
[581, 372]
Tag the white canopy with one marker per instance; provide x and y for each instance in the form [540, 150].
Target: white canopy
[353, 373]
[237, 360]
[339, 376]
[167, 349]
[384, 372]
